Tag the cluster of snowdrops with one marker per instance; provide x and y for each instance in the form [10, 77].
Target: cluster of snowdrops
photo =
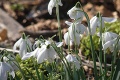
[50, 51]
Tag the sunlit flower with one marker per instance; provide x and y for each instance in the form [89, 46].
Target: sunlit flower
[72, 59]
[76, 14]
[4, 69]
[107, 36]
[74, 32]
[52, 4]
[46, 52]
[95, 22]
[109, 40]
[22, 45]
[111, 44]
[76, 28]
[70, 40]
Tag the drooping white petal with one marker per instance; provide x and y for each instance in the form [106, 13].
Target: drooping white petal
[76, 39]
[4, 68]
[17, 44]
[71, 58]
[51, 4]
[23, 49]
[93, 24]
[51, 54]
[109, 36]
[42, 55]
[60, 3]
[80, 28]
[68, 23]
[107, 44]
[74, 35]
[66, 38]
[28, 55]
[59, 44]
[37, 44]
[75, 13]
[11, 62]
[12, 73]
[110, 20]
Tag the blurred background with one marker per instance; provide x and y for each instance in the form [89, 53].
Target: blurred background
[31, 17]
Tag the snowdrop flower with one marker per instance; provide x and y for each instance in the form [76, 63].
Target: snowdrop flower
[76, 14]
[52, 4]
[22, 44]
[4, 69]
[95, 22]
[37, 43]
[109, 39]
[72, 59]
[75, 31]
[70, 40]
[111, 44]
[12, 63]
[107, 36]
[46, 52]
[76, 28]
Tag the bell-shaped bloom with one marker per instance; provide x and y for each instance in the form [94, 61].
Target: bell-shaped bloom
[37, 43]
[4, 69]
[72, 59]
[95, 22]
[22, 45]
[52, 4]
[46, 52]
[111, 44]
[76, 14]
[11, 62]
[70, 40]
[76, 28]
[109, 40]
[74, 32]
[107, 36]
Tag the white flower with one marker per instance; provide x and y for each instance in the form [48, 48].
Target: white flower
[22, 44]
[52, 4]
[37, 44]
[46, 52]
[75, 31]
[76, 28]
[4, 69]
[107, 36]
[70, 40]
[11, 61]
[109, 40]
[95, 22]
[76, 14]
[111, 44]
[72, 59]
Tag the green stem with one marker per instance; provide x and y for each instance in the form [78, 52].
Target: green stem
[74, 38]
[18, 65]
[100, 53]
[58, 19]
[92, 46]
[105, 67]
[114, 56]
